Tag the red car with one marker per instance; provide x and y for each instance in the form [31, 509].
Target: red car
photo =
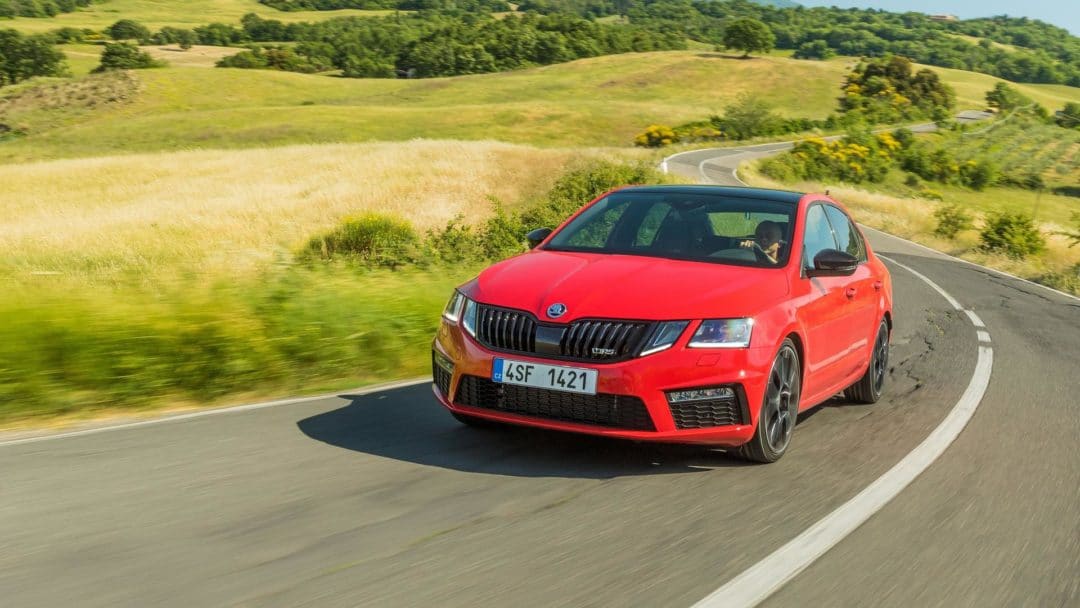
[684, 314]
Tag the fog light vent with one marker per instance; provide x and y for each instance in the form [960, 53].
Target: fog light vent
[442, 370]
[699, 408]
[701, 394]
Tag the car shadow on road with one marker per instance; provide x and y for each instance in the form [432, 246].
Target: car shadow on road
[408, 424]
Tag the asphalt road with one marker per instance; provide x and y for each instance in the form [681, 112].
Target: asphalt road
[382, 499]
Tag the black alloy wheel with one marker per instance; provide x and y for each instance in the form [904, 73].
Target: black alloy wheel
[779, 408]
[869, 388]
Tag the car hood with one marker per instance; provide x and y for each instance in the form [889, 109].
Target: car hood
[627, 287]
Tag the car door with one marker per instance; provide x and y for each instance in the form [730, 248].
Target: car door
[822, 310]
[860, 292]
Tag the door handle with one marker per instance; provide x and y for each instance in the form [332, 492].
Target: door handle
[850, 293]
[878, 285]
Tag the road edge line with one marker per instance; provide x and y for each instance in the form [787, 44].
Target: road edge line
[367, 390]
[758, 582]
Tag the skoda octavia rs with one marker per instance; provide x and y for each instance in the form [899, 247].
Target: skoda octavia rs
[686, 314]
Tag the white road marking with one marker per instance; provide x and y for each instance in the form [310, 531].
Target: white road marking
[979, 266]
[951, 300]
[223, 410]
[975, 320]
[983, 336]
[770, 574]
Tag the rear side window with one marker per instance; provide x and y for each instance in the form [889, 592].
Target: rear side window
[818, 236]
[848, 238]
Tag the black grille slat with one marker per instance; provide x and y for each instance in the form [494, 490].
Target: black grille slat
[615, 411]
[620, 338]
[515, 344]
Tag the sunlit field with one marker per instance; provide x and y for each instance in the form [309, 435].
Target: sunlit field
[603, 101]
[225, 213]
[176, 13]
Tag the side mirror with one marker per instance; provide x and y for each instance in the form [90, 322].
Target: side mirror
[537, 236]
[833, 263]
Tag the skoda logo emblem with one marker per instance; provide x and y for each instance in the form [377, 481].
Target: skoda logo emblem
[556, 310]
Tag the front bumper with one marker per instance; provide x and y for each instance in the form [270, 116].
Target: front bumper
[646, 378]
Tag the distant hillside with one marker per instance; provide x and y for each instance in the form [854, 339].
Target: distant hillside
[777, 3]
[603, 101]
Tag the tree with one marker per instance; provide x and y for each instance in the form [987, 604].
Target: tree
[125, 56]
[1069, 116]
[126, 29]
[749, 35]
[748, 117]
[23, 57]
[1005, 98]
[815, 49]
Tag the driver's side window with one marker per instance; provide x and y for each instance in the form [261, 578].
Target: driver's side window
[818, 235]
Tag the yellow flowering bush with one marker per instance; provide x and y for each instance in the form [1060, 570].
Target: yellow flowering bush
[656, 136]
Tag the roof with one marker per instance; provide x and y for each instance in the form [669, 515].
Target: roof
[785, 196]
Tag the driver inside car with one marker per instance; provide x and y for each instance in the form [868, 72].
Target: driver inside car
[766, 240]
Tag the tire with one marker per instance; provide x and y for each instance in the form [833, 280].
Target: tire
[779, 408]
[869, 388]
[473, 421]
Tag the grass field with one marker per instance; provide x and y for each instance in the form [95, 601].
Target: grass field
[603, 101]
[177, 13]
[164, 280]
[148, 219]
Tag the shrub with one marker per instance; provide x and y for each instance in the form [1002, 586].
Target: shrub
[1068, 281]
[1013, 234]
[374, 239]
[1074, 234]
[814, 49]
[951, 220]
[125, 56]
[126, 29]
[579, 186]
[929, 194]
[978, 174]
[656, 136]
[748, 116]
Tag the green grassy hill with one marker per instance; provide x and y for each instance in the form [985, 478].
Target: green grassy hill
[177, 13]
[603, 101]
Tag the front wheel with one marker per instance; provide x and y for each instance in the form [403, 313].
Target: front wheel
[779, 409]
[869, 388]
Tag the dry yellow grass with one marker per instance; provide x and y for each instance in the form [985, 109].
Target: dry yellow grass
[197, 56]
[218, 213]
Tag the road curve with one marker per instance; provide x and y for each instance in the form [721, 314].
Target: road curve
[381, 499]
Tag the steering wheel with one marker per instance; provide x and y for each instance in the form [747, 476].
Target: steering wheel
[762, 255]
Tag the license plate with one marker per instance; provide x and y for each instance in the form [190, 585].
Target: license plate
[539, 375]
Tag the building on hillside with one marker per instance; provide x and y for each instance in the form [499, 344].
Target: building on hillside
[944, 17]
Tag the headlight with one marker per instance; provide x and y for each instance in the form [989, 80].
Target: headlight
[452, 312]
[665, 335]
[468, 317]
[723, 333]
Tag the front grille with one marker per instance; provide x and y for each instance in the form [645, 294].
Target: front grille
[616, 411]
[602, 339]
[708, 413]
[506, 329]
[584, 340]
[440, 376]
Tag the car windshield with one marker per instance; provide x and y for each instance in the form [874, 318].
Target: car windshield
[701, 227]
